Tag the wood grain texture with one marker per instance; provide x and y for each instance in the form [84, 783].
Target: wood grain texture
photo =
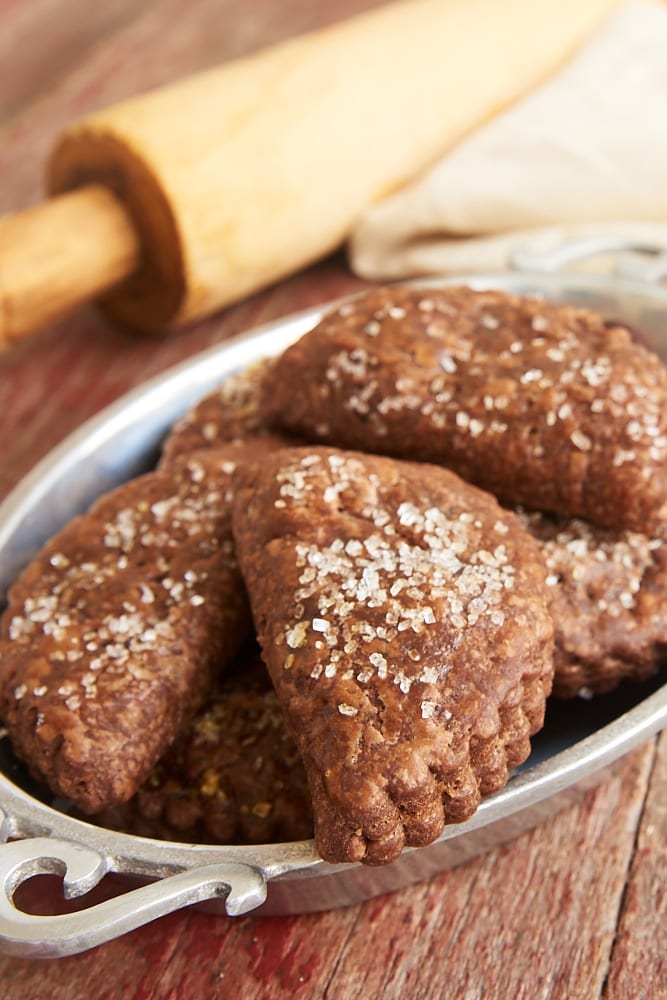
[640, 950]
[574, 910]
[49, 43]
[43, 277]
[534, 920]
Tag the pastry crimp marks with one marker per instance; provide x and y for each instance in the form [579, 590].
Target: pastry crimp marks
[406, 618]
[390, 601]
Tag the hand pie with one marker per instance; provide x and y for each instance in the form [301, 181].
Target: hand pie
[403, 618]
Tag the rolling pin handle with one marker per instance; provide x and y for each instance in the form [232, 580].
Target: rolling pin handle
[60, 255]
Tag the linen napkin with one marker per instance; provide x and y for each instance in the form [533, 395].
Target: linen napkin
[584, 154]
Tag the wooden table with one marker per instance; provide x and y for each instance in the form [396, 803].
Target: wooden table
[575, 909]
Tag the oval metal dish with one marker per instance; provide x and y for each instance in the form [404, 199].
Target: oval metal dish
[578, 742]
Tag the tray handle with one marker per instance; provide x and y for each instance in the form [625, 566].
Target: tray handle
[241, 886]
[639, 259]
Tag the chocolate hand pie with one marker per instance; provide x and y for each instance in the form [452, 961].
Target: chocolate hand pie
[232, 777]
[229, 416]
[541, 404]
[403, 618]
[113, 634]
[608, 598]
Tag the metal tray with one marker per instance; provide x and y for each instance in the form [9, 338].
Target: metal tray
[579, 739]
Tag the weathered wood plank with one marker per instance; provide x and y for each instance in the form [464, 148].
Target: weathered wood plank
[639, 959]
[52, 383]
[38, 45]
[533, 920]
[517, 923]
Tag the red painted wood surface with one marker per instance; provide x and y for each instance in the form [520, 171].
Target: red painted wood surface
[574, 910]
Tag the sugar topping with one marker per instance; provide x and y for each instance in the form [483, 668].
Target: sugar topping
[572, 550]
[85, 615]
[229, 413]
[405, 569]
[528, 361]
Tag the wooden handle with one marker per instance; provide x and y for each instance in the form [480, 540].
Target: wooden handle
[245, 173]
[60, 255]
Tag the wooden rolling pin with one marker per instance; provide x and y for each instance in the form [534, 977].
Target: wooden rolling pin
[178, 202]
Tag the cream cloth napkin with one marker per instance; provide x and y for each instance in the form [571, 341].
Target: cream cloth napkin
[585, 153]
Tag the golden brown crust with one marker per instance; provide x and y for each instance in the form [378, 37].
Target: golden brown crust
[542, 405]
[112, 634]
[608, 598]
[402, 615]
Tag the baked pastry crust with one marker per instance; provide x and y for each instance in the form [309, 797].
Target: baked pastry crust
[608, 600]
[233, 777]
[403, 618]
[113, 634]
[227, 416]
[541, 404]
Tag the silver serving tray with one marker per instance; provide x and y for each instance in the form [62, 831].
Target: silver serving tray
[580, 738]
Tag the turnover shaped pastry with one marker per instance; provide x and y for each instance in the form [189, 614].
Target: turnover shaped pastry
[234, 776]
[608, 599]
[113, 634]
[229, 416]
[403, 618]
[543, 405]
